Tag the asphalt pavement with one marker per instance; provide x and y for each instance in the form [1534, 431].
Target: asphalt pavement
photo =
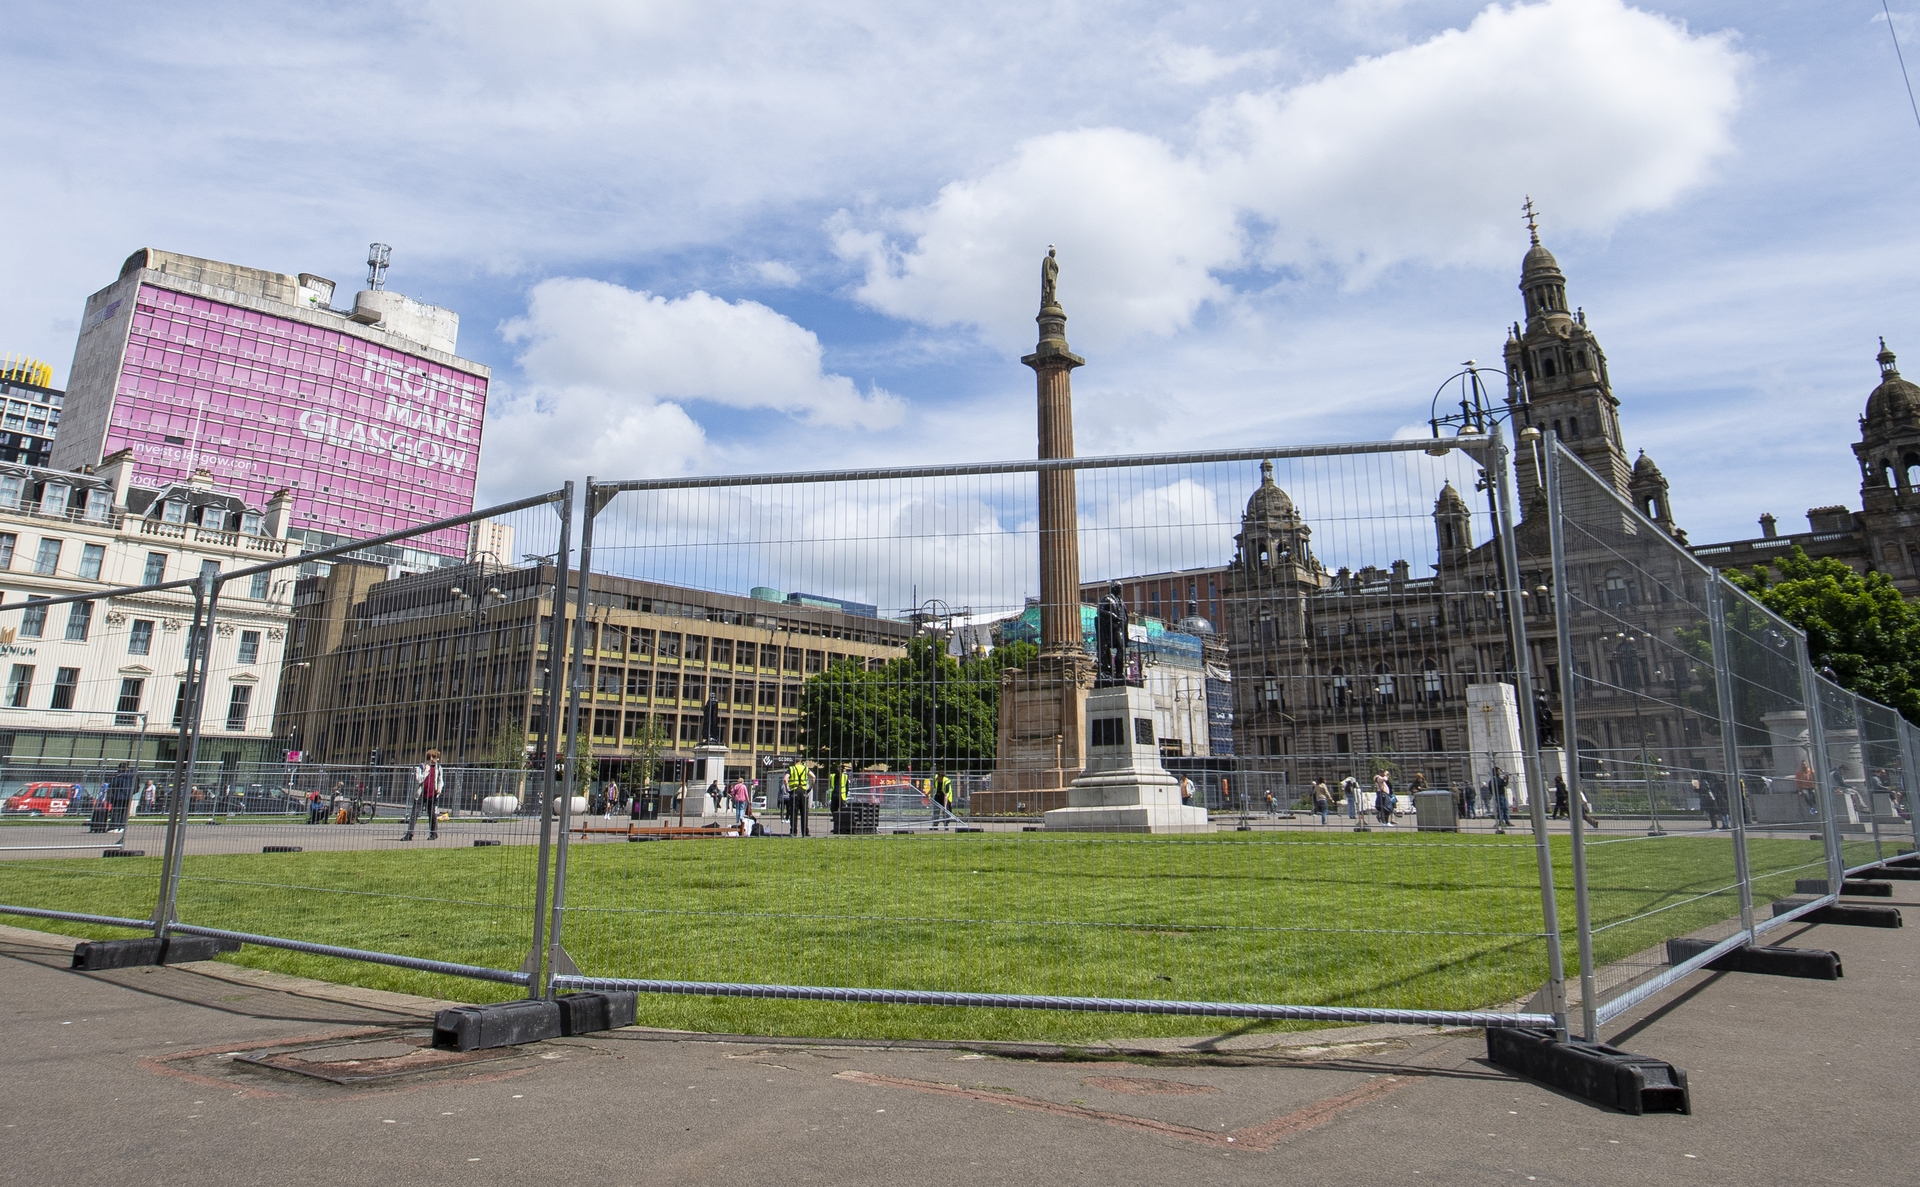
[213, 1074]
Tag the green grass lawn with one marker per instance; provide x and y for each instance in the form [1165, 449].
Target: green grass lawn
[1405, 920]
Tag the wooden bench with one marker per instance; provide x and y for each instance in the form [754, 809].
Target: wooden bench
[640, 832]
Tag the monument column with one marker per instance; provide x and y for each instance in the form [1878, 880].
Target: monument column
[1053, 365]
[1042, 742]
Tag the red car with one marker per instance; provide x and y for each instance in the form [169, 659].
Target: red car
[41, 799]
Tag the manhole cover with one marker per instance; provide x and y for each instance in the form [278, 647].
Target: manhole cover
[372, 1058]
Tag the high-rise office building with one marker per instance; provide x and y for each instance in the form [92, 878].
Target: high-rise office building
[29, 410]
[365, 415]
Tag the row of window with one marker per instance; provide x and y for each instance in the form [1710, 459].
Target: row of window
[66, 683]
[46, 563]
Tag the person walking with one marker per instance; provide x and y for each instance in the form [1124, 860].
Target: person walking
[426, 794]
[1273, 809]
[1383, 799]
[1321, 797]
[1350, 792]
[1586, 810]
[798, 794]
[1186, 792]
[738, 794]
[1711, 800]
[940, 789]
[1561, 807]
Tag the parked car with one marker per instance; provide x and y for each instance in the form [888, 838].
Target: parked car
[42, 799]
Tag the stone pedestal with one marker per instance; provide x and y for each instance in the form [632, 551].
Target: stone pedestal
[1787, 735]
[1124, 788]
[711, 760]
[1041, 731]
[1493, 735]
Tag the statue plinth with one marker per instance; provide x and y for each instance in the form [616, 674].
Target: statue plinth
[710, 759]
[1039, 747]
[1124, 789]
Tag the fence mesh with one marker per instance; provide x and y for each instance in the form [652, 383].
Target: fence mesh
[876, 668]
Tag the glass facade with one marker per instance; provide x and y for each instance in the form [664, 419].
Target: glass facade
[369, 439]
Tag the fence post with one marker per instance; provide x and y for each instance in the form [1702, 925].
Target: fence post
[206, 599]
[557, 959]
[536, 982]
[1496, 460]
[1736, 799]
[1907, 778]
[1817, 756]
[1569, 699]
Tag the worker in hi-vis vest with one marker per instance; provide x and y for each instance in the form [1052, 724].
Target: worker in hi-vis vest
[797, 796]
[942, 793]
[837, 793]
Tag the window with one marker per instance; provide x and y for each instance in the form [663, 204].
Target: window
[696, 651]
[666, 686]
[641, 641]
[140, 638]
[10, 488]
[249, 647]
[209, 570]
[53, 498]
[1573, 424]
[1343, 743]
[91, 556]
[1436, 740]
[65, 682]
[690, 728]
[1339, 686]
[79, 621]
[156, 569]
[693, 688]
[769, 657]
[1384, 682]
[637, 681]
[179, 704]
[606, 723]
[791, 659]
[193, 639]
[742, 731]
[174, 511]
[19, 686]
[237, 706]
[669, 645]
[127, 711]
[789, 696]
[250, 523]
[769, 695]
[47, 562]
[1617, 594]
[33, 623]
[258, 589]
[1432, 685]
[613, 639]
[7, 542]
[99, 502]
[743, 692]
[789, 734]
[722, 650]
[816, 662]
[611, 682]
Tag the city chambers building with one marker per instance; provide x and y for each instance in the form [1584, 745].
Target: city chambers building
[463, 660]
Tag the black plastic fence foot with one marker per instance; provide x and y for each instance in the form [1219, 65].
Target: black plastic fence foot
[143, 853]
[585, 1013]
[483, 843]
[1592, 1071]
[180, 949]
[1851, 886]
[502, 1024]
[1816, 964]
[117, 954]
[1897, 873]
[279, 848]
[1845, 914]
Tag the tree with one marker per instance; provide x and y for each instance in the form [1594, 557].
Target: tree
[922, 710]
[644, 746]
[1856, 623]
[508, 748]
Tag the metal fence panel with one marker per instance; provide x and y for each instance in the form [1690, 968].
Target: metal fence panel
[1314, 622]
[1658, 842]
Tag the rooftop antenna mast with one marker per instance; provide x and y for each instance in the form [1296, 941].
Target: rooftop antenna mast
[377, 256]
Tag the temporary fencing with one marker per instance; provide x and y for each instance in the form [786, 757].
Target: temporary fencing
[1724, 774]
[1374, 747]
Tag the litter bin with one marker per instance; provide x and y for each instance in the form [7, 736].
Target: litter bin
[1435, 812]
[857, 818]
[650, 806]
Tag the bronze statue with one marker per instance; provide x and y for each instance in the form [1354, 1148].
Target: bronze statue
[710, 722]
[1110, 638]
[1049, 272]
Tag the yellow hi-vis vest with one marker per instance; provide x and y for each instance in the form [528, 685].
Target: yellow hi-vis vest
[942, 790]
[797, 777]
[837, 787]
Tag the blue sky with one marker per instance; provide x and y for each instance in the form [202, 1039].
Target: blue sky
[697, 238]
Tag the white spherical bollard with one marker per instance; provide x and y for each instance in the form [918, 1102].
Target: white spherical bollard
[500, 805]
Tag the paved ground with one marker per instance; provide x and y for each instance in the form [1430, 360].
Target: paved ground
[144, 1074]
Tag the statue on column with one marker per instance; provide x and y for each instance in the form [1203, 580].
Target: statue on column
[710, 721]
[1049, 273]
[1110, 638]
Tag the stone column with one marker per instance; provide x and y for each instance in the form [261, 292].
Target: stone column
[1053, 366]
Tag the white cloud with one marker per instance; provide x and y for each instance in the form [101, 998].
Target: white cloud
[777, 272]
[1599, 110]
[609, 370]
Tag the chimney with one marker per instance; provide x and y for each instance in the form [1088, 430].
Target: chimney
[117, 469]
[1769, 526]
[279, 513]
[202, 479]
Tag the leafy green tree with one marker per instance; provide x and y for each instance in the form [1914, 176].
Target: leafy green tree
[1866, 631]
[644, 747]
[922, 710]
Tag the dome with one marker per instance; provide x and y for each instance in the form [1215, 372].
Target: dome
[1193, 624]
[1538, 259]
[1644, 467]
[1449, 500]
[1895, 399]
[1269, 501]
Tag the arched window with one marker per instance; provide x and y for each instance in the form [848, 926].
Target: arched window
[1383, 681]
[1547, 367]
[1580, 360]
[1910, 470]
[1432, 684]
[1270, 691]
[1339, 685]
[1887, 477]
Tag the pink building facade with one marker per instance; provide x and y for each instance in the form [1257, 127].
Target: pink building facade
[195, 365]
